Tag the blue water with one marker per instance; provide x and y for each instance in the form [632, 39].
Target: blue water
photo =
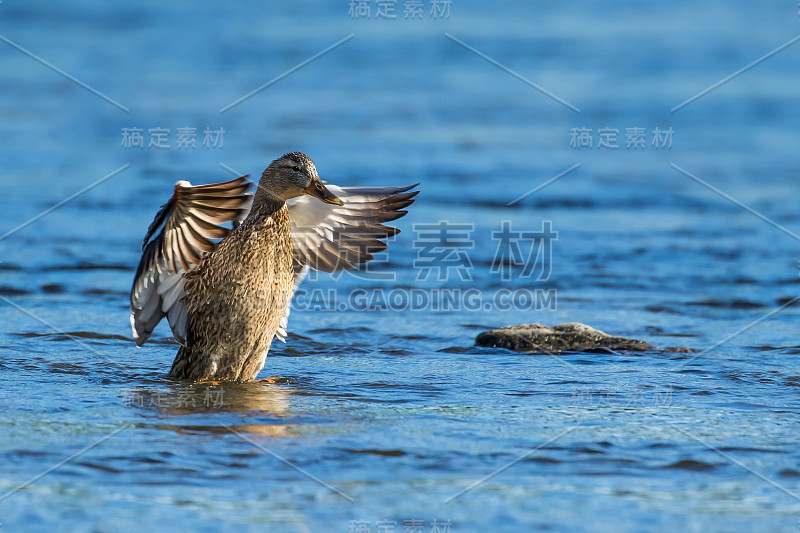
[395, 412]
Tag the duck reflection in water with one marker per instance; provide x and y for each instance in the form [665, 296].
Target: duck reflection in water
[266, 405]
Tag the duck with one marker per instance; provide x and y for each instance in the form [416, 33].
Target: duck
[222, 263]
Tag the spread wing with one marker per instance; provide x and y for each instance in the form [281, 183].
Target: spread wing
[331, 238]
[187, 227]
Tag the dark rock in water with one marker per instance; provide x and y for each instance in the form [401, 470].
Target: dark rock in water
[676, 349]
[571, 337]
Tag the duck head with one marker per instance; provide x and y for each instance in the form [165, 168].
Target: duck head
[293, 175]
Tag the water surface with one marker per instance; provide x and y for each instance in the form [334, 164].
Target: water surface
[395, 412]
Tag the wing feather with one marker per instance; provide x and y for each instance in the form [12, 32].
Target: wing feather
[184, 229]
[333, 238]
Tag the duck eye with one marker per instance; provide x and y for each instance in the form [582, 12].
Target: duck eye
[296, 169]
[319, 186]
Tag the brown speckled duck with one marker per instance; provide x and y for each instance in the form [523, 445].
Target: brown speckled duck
[226, 299]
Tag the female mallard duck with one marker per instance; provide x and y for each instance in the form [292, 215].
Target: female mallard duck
[226, 299]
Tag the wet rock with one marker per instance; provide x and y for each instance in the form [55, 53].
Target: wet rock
[571, 337]
[676, 349]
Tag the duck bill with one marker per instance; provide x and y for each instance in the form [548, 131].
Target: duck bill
[321, 192]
